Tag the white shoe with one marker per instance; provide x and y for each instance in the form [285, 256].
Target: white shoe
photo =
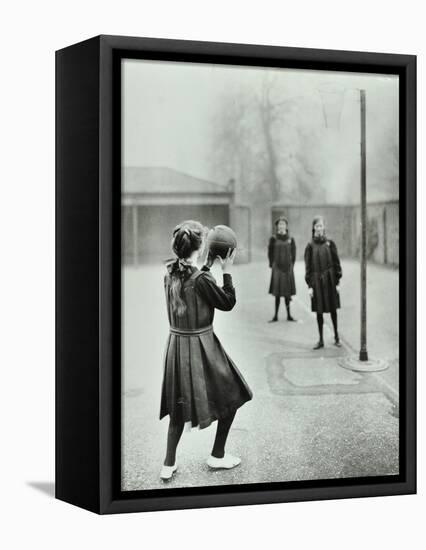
[167, 472]
[226, 463]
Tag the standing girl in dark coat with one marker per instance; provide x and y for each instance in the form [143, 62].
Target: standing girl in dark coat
[282, 255]
[201, 383]
[323, 273]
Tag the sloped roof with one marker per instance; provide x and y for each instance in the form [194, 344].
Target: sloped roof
[147, 180]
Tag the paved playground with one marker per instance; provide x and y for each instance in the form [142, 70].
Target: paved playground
[309, 417]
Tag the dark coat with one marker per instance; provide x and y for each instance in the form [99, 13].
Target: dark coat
[282, 255]
[201, 382]
[323, 273]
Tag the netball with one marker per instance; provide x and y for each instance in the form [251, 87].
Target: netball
[220, 239]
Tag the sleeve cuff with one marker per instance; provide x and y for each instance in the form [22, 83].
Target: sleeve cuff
[227, 279]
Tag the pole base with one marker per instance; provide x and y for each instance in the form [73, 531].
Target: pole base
[355, 364]
[363, 355]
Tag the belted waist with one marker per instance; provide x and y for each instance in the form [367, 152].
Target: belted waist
[191, 331]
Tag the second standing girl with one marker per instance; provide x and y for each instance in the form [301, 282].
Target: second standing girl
[322, 274]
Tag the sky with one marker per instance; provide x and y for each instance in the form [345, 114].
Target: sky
[168, 109]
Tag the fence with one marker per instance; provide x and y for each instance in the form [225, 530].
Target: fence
[343, 226]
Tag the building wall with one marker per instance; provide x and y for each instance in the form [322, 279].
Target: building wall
[253, 228]
[300, 224]
[148, 241]
[241, 222]
[382, 232]
[343, 226]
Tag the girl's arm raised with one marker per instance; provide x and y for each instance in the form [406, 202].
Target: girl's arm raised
[220, 298]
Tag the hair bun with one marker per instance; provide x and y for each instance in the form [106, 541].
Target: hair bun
[193, 233]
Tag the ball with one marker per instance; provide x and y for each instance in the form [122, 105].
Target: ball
[220, 239]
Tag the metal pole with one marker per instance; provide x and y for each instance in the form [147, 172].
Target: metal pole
[363, 355]
[135, 234]
[385, 235]
[363, 364]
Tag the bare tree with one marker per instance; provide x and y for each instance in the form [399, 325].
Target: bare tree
[267, 112]
[262, 141]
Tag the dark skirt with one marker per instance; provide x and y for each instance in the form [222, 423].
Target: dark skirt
[201, 383]
[282, 282]
[326, 299]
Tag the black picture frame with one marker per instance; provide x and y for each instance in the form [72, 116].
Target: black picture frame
[88, 270]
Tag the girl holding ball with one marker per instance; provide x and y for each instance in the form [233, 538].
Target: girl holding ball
[201, 383]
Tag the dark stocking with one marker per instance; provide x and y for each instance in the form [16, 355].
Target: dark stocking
[333, 316]
[173, 437]
[277, 307]
[287, 305]
[320, 321]
[223, 427]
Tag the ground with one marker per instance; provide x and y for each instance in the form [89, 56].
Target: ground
[309, 417]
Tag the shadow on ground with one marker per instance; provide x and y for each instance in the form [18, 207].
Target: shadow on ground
[46, 487]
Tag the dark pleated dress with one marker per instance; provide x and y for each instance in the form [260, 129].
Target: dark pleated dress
[323, 273]
[201, 383]
[282, 255]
